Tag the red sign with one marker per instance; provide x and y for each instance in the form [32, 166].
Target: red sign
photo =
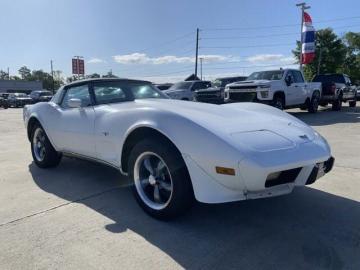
[78, 66]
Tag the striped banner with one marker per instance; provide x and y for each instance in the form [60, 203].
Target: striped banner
[308, 40]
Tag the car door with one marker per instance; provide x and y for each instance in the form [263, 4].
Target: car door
[106, 142]
[300, 87]
[73, 128]
[348, 92]
[291, 89]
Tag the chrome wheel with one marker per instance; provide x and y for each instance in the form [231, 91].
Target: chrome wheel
[39, 144]
[153, 180]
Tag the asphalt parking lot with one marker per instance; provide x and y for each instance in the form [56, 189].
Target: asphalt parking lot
[82, 215]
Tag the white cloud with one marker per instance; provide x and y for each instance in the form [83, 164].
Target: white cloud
[142, 58]
[268, 58]
[95, 61]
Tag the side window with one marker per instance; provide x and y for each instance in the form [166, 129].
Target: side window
[347, 80]
[298, 78]
[290, 74]
[80, 92]
[109, 93]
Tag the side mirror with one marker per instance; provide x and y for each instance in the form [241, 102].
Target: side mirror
[288, 80]
[74, 103]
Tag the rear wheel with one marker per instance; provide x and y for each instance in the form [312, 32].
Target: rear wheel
[352, 103]
[337, 104]
[313, 105]
[162, 184]
[44, 154]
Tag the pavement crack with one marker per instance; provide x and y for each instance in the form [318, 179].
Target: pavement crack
[60, 205]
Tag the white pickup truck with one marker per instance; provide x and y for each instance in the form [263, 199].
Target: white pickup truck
[282, 88]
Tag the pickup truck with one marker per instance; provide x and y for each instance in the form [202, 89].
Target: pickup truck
[336, 89]
[215, 93]
[282, 88]
[185, 90]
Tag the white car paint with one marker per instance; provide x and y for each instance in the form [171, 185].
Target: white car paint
[253, 139]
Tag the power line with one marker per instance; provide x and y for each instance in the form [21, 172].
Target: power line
[250, 46]
[276, 26]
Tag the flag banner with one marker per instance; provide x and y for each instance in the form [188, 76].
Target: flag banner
[308, 40]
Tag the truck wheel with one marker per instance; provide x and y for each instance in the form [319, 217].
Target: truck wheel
[279, 102]
[337, 104]
[313, 105]
[44, 154]
[162, 184]
[352, 103]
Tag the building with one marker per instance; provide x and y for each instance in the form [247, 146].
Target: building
[13, 86]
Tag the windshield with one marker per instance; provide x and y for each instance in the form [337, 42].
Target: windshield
[181, 85]
[20, 95]
[120, 91]
[42, 94]
[219, 83]
[271, 75]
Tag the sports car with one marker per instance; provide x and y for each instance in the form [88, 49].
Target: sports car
[176, 151]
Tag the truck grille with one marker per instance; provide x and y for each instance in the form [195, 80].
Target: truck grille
[235, 87]
[246, 97]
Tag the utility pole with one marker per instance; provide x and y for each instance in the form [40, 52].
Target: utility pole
[303, 7]
[52, 76]
[201, 62]
[197, 51]
[8, 72]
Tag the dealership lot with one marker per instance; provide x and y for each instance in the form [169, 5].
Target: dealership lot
[83, 215]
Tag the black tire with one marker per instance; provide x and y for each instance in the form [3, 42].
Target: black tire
[313, 105]
[51, 158]
[278, 102]
[337, 104]
[181, 196]
[352, 103]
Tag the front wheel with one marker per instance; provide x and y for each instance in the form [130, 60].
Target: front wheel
[44, 154]
[162, 184]
[279, 102]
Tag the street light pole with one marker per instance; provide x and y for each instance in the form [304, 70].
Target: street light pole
[52, 76]
[201, 63]
[197, 51]
[303, 6]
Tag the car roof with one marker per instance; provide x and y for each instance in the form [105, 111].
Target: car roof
[105, 80]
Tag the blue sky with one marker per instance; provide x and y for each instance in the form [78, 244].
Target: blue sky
[135, 38]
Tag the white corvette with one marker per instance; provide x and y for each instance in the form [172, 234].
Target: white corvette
[176, 150]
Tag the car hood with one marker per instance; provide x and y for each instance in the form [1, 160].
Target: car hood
[251, 82]
[169, 92]
[230, 120]
[210, 89]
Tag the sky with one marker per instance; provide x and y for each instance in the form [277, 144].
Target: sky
[155, 39]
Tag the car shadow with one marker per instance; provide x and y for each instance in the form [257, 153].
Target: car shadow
[326, 116]
[308, 229]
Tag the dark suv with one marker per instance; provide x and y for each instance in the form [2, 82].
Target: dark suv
[336, 89]
[215, 94]
[40, 96]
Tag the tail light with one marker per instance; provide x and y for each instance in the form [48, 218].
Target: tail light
[333, 88]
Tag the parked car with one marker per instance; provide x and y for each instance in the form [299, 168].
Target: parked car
[358, 93]
[282, 88]
[3, 102]
[41, 96]
[163, 86]
[336, 89]
[18, 99]
[185, 90]
[175, 151]
[215, 93]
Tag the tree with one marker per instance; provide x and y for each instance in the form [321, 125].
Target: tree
[330, 54]
[352, 61]
[94, 75]
[25, 73]
[109, 75]
[3, 75]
